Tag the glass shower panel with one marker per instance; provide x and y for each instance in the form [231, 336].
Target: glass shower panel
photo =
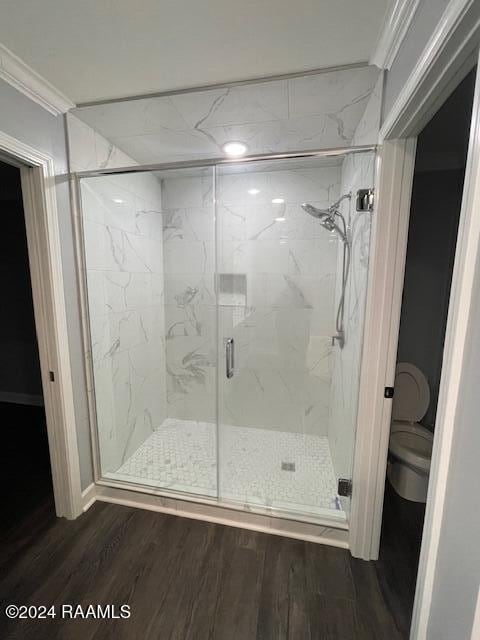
[150, 265]
[283, 444]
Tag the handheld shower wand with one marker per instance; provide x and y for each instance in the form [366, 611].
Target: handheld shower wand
[326, 218]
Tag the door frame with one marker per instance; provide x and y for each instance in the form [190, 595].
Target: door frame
[37, 173]
[462, 289]
[394, 178]
[448, 56]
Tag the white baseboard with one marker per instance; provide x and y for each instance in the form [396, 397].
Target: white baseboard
[89, 496]
[308, 532]
[21, 398]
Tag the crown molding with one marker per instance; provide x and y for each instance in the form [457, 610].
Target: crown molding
[456, 34]
[20, 76]
[395, 26]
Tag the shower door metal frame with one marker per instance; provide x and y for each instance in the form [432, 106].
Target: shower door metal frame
[75, 178]
[222, 161]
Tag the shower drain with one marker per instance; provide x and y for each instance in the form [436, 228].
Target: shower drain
[288, 466]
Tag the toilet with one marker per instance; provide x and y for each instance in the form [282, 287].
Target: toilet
[410, 445]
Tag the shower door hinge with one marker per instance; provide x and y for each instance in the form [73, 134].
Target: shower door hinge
[365, 200]
[344, 487]
[388, 393]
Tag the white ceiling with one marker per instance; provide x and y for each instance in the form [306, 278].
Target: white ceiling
[99, 49]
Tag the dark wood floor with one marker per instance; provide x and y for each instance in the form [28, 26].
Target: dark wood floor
[183, 579]
[186, 579]
[397, 565]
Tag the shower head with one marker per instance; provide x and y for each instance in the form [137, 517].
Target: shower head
[316, 212]
[333, 209]
[326, 219]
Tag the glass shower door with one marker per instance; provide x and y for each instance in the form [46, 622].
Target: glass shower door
[219, 367]
[285, 435]
[149, 264]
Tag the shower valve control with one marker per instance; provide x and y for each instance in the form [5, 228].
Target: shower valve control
[365, 200]
[344, 487]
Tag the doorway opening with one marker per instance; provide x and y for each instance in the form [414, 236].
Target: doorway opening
[27, 486]
[433, 226]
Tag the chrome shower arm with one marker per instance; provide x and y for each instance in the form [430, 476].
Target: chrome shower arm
[334, 207]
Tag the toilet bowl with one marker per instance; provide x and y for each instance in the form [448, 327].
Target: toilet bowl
[410, 445]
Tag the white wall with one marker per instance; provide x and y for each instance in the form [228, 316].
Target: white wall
[457, 574]
[26, 121]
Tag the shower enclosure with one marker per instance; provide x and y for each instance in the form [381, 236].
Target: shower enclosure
[213, 304]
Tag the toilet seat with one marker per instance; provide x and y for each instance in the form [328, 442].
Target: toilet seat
[412, 393]
[412, 444]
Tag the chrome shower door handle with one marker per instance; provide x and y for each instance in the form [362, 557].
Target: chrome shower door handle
[229, 357]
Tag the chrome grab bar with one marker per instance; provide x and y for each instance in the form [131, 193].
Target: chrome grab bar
[229, 357]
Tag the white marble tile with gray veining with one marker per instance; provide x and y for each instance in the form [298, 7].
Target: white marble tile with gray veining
[313, 111]
[123, 236]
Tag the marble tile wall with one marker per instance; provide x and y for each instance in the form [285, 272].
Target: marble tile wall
[358, 171]
[123, 236]
[310, 112]
[281, 318]
[282, 332]
[190, 302]
[88, 149]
